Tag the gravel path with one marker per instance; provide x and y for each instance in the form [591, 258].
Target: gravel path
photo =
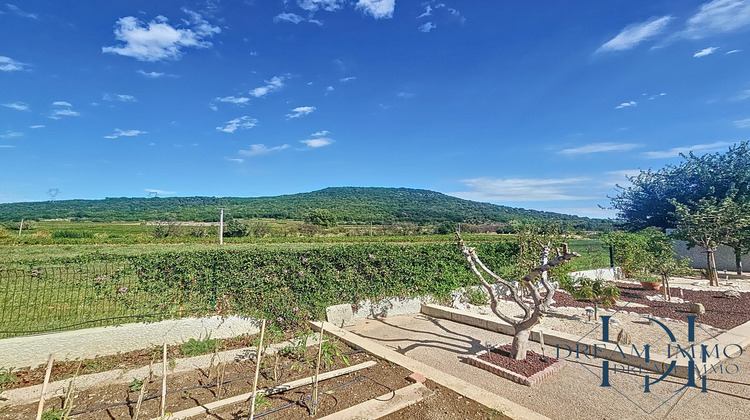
[574, 392]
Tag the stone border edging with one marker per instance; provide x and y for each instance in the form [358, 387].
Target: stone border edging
[532, 380]
[509, 409]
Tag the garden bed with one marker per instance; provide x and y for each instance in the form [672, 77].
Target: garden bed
[529, 371]
[201, 386]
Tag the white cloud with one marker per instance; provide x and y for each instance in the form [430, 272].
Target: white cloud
[301, 111]
[276, 83]
[15, 9]
[63, 110]
[626, 105]
[744, 94]
[427, 27]
[318, 142]
[347, 79]
[521, 189]
[675, 152]
[19, 106]
[427, 12]
[236, 160]
[652, 97]
[125, 133]
[155, 191]
[117, 97]
[262, 149]
[11, 135]
[636, 33]
[37, 126]
[327, 5]
[733, 52]
[321, 133]
[151, 74]
[61, 103]
[598, 148]
[9, 64]
[330, 89]
[378, 9]
[743, 123]
[234, 100]
[706, 51]
[717, 17]
[6, 146]
[158, 40]
[288, 17]
[405, 95]
[243, 123]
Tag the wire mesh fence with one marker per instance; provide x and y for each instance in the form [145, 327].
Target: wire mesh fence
[66, 297]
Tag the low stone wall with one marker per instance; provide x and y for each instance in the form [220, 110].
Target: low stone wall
[90, 342]
[724, 256]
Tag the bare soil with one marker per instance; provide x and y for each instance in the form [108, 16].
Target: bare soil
[195, 388]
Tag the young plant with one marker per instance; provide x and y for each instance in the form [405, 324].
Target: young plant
[198, 347]
[330, 351]
[596, 291]
[476, 297]
[7, 377]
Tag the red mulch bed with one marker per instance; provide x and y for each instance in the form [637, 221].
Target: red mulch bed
[500, 356]
[721, 312]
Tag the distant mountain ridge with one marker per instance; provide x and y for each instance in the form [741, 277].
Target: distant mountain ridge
[349, 204]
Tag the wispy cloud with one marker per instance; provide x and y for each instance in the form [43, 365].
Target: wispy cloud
[706, 51]
[125, 133]
[742, 95]
[499, 190]
[317, 142]
[379, 9]
[743, 123]
[627, 105]
[156, 191]
[300, 111]
[321, 133]
[347, 79]
[234, 100]
[236, 160]
[427, 12]
[15, 9]
[19, 106]
[276, 83]
[117, 97]
[241, 123]
[427, 27]
[37, 126]
[288, 17]
[151, 74]
[11, 135]
[158, 40]
[63, 109]
[636, 33]
[675, 152]
[6, 146]
[717, 17]
[598, 148]
[733, 52]
[262, 149]
[9, 64]
[315, 5]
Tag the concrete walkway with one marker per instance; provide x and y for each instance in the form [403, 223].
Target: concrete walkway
[575, 392]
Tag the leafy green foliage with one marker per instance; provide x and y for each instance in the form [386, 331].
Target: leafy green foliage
[597, 291]
[477, 297]
[7, 377]
[135, 385]
[321, 217]
[292, 286]
[195, 347]
[330, 351]
[235, 228]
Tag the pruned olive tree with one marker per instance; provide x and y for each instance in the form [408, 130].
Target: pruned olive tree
[532, 281]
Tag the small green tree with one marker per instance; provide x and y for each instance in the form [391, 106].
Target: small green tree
[321, 217]
[710, 223]
[596, 291]
[235, 228]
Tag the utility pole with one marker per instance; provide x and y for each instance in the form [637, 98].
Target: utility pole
[221, 227]
[20, 228]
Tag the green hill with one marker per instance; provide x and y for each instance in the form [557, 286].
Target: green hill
[349, 204]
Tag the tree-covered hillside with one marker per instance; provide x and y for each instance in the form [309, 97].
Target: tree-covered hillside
[349, 205]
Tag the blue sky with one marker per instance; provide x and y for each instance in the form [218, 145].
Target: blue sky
[535, 104]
